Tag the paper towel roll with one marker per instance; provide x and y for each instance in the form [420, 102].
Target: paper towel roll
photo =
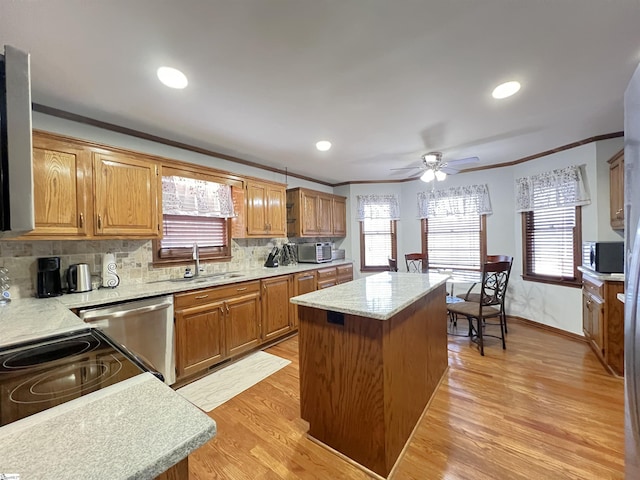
[110, 278]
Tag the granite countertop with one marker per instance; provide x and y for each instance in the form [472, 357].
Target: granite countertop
[611, 277]
[27, 319]
[379, 296]
[121, 432]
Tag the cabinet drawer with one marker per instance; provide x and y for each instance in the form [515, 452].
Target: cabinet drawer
[326, 273]
[207, 295]
[593, 286]
[345, 270]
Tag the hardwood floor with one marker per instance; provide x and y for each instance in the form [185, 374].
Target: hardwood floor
[543, 409]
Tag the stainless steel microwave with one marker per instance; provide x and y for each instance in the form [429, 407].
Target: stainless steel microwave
[603, 257]
[319, 252]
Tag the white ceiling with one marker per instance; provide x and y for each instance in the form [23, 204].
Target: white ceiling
[384, 80]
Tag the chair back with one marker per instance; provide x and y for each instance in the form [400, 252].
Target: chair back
[393, 265]
[416, 262]
[495, 277]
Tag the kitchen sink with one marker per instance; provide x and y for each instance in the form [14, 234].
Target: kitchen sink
[203, 278]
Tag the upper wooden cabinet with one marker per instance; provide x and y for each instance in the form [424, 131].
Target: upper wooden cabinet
[85, 191]
[315, 214]
[62, 183]
[266, 209]
[616, 190]
[126, 196]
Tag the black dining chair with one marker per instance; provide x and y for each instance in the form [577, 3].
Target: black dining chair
[495, 277]
[416, 262]
[475, 297]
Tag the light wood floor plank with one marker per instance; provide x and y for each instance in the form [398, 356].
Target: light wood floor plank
[543, 409]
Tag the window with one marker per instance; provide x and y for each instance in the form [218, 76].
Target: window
[455, 242]
[550, 203]
[194, 211]
[377, 215]
[377, 243]
[552, 239]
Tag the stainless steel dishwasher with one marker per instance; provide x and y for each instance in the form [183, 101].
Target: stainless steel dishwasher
[144, 327]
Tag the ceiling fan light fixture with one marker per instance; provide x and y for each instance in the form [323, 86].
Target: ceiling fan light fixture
[172, 77]
[430, 158]
[428, 175]
[440, 175]
[323, 145]
[505, 90]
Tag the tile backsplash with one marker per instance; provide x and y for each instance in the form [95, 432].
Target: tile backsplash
[133, 258]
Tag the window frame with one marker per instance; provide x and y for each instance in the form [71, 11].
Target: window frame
[424, 229]
[207, 254]
[394, 248]
[528, 276]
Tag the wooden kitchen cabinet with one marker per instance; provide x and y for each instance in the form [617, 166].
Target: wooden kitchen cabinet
[327, 277]
[303, 282]
[616, 190]
[62, 186]
[603, 321]
[315, 214]
[344, 273]
[84, 191]
[276, 318]
[215, 323]
[126, 196]
[266, 209]
[199, 337]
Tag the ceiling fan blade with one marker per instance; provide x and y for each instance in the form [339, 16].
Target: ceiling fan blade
[405, 168]
[462, 161]
[449, 170]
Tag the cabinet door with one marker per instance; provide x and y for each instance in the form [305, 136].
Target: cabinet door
[126, 196]
[242, 323]
[593, 320]
[616, 190]
[61, 178]
[275, 307]
[277, 211]
[256, 208]
[303, 282]
[309, 214]
[344, 273]
[199, 337]
[339, 207]
[325, 215]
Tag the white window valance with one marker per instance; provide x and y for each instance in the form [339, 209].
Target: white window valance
[198, 198]
[381, 207]
[453, 201]
[564, 187]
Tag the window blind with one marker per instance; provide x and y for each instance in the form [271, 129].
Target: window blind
[379, 242]
[454, 242]
[180, 232]
[550, 242]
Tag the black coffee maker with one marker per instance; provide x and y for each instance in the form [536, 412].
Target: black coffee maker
[49, 284]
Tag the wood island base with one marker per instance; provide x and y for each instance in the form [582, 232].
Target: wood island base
[365, 383]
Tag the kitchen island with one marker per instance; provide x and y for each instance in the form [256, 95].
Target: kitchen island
[372, 353]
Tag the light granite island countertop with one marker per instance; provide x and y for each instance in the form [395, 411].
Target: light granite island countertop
[379, 296]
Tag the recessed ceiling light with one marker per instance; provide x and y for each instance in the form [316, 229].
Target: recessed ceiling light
[323, 145]
[172, 77]
[505, 90]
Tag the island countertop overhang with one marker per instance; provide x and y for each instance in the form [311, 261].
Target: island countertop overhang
[379, 296]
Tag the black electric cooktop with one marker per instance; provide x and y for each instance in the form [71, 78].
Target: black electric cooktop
[54, 370]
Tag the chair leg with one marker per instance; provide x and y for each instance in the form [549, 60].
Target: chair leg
[480, 341]
[503, 330]
[504, 316]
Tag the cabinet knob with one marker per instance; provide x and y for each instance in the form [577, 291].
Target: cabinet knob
[99, 222]
[81, 220]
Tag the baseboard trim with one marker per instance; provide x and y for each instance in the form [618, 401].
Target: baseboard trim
[547, 328]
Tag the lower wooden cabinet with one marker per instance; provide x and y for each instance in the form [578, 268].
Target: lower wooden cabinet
[276, 320]
[327, 277]
[603, 321]
[344, 273]
[215, 323]
[303, 282]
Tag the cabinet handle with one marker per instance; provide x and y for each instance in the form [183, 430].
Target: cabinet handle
[221, 311]
[227, 309]
[305, 278]
[243, 289]
[81, 221]
[99, 222]
[200, 297]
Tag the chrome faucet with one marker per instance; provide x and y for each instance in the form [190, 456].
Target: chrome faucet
[196, 256]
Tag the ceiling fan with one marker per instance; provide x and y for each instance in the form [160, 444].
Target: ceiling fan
[433, 168]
